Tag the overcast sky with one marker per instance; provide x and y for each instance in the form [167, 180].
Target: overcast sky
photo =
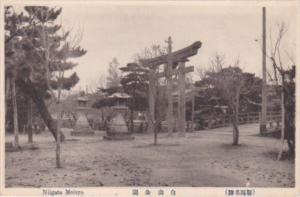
[121, 31]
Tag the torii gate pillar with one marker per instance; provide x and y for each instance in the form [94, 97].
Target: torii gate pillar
[169, 87]
[181, 95]
[151, 101]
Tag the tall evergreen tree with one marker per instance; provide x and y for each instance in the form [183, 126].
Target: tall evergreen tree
[38, 53]
[13, 57]
[135, 83]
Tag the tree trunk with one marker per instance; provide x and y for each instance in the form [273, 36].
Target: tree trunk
[29, 121]
[58, 134]
[291, 145]
[282, 120]
[155, 132]
[29, 89]
[58, 129]
[46, 116]
[7, 88]
[7, 96]
[15, 112]
[235, 133]
[58, 163]
[131, 121]
[235, 121]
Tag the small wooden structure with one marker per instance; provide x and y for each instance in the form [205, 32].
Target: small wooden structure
[174, 65]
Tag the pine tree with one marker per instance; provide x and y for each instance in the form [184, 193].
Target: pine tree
[13, 57]
[135, 83]
[38, 54]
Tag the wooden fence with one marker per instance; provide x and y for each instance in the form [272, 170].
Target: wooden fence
[273, 120]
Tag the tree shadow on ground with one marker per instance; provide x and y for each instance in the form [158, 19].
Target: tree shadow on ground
[272, 134]
[273, 154]
[25, 147]
[228, 146]
[194, 136]
[157, 145]
[72, 139]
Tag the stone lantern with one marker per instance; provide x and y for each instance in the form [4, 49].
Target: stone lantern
[82, 126]
[117, 127]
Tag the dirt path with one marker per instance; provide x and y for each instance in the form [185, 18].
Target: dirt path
[203, 158]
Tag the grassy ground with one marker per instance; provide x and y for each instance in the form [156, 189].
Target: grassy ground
[202, 158]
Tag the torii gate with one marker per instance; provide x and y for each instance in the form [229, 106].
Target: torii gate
[189, 96]
[171, 59]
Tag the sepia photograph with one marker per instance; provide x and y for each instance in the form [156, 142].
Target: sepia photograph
[149, 95]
